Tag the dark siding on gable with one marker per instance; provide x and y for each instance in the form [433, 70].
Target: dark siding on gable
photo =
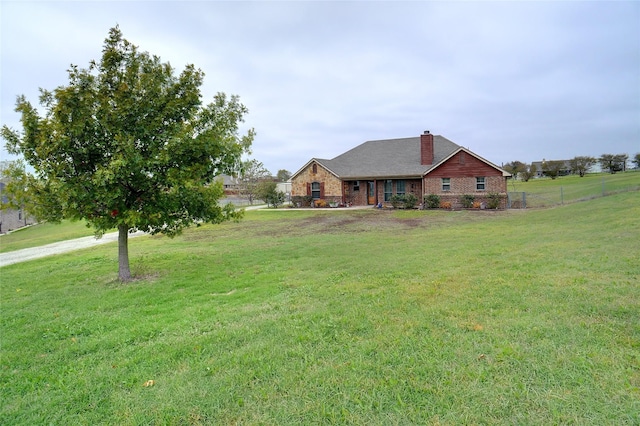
[470, 166]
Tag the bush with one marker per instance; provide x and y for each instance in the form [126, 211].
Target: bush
[320, 203]
[432, 201]
[275, 199]
[494, 201]
[445, 205]
[410, 201]
[467, 201]
[301, 200]
[477, 204]
[396, 201]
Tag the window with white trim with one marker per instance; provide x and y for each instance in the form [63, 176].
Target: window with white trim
[480, 183]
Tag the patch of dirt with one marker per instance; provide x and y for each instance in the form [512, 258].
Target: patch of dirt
[344, 221]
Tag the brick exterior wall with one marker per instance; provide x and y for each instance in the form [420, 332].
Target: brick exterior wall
[356, 194]
[462, 170]
[467, 186]
[412, 186]
[332, 185]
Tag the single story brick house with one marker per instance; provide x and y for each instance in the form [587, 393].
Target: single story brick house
[371, 173]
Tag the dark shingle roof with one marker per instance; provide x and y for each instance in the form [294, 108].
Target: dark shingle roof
[387, 158]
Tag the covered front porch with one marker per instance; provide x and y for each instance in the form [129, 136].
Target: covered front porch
[371, 192]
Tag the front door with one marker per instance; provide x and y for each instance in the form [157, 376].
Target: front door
[371, 192]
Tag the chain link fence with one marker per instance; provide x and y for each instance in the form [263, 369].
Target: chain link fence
[565, 194]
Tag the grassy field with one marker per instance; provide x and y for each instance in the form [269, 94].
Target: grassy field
[337, 317]
[43, 233]
[546, 192]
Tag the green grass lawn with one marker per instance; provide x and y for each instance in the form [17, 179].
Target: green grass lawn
[337, 317]
[546, 192]
[43, 233]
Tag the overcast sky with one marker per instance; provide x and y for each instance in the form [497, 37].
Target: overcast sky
[510, 80]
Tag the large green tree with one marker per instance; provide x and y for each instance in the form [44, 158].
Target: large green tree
[129, 145]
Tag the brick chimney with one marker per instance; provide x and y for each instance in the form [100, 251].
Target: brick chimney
[426, 148]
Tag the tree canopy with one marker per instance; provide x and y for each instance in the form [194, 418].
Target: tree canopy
[251, 174]
[515, 167]
[613, 162]
[582, 164]
[268, 191]
[283, 175]
[129, 145]
[553, 168]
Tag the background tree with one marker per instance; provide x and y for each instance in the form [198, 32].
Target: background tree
[636, 160]
[613, 162]
[528, 172]
[515, 168]
[268, 191]
[16, 192]
[252, 172]
[581, 165]
[129, 145]
[283, 175]
[553, 168]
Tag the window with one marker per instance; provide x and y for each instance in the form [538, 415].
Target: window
[388, 189]
[356, 186]
[446, 184]
[480, 184]
[400, 187]
[314, 168]
[315, 190]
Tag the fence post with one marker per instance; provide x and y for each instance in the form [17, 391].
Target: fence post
[561, 196]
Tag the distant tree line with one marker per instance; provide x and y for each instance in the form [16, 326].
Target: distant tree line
[579, 165]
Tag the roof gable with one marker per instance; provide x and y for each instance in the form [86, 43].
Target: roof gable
[319, 161]
[452, 154]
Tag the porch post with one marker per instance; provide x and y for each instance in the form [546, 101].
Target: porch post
[375, 192]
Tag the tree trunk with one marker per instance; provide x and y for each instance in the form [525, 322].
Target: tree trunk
[124, 273]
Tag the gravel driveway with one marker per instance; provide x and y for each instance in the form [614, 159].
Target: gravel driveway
[57, 248]
[76, 244]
